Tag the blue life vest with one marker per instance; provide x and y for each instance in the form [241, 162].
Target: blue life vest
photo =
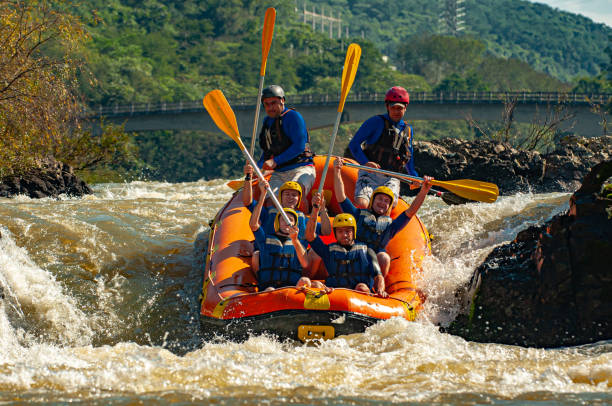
[273, 142]
[278, 264]
[347, 268]
[370, 228]
[392, 149]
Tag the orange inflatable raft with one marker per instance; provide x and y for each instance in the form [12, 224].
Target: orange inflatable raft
[231, 305]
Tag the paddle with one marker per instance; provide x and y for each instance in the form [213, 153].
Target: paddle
[223, 115]
[266, 41]
[353, 53]
[467, 188]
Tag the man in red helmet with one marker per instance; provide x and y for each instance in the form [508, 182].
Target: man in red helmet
[383, 141]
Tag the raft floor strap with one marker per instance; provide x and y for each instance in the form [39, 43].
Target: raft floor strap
[242, 285]
[396, 282]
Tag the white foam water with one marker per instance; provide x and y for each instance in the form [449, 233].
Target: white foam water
[100, 305]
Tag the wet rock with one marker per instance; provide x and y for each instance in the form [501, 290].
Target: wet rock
[511, 169]
[551, 286]
[51, 179]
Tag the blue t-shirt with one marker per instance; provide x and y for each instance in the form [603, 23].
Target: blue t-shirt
[396, 225]
[294, 127]
[370, 132]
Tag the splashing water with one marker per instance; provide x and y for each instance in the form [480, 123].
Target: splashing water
[100, 305]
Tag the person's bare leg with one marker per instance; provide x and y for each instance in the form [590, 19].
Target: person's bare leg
[314, 262]
[384, 260]
[255, 262]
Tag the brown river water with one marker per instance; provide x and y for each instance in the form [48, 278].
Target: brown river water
[101, 306]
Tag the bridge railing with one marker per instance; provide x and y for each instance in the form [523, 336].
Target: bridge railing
[359, 97]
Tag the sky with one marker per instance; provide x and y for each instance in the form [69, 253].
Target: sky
[599, 11]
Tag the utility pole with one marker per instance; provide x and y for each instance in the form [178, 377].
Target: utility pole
[452, 17]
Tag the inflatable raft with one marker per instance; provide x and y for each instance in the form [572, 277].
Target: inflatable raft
[231, 305]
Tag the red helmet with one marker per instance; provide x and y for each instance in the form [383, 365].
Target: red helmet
[397, 94]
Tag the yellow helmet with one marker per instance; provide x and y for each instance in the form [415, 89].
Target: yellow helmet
[288, 211]
[385, 190]
[345, 220]
[290, 185]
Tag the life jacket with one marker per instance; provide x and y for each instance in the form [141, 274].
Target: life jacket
[371, 227]
[278, 264]
[273, 142]
[392, 149]
[347, 268]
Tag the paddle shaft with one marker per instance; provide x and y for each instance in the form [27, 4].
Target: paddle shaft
[384, 172]
[257, 109]
[261, 177]
[469, 189]
[329, 152]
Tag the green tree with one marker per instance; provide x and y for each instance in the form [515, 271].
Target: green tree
[437, 56]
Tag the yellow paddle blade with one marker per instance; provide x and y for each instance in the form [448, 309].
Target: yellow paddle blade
[266, 39]
[235, 184]
[238, 183]
[222, 114]
[351, 62]
[470, 189]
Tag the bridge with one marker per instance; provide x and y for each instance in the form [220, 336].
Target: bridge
[585, 112]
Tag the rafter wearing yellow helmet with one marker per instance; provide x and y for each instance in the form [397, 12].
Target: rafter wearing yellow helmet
[290, 197]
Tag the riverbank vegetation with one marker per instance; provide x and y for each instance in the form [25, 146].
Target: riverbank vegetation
[40, 60]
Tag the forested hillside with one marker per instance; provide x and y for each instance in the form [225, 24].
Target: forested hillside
[172, 50]
[562, 44]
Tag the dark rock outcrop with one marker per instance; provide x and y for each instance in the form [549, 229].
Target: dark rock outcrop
[51, 179]
[511, 169]
[552, 286]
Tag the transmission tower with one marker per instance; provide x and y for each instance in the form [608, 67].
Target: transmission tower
[452, 17]
[324, 23]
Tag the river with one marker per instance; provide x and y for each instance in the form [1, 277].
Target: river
[101, 306]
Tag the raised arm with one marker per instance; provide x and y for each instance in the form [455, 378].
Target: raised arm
[338, 182]
[247, 189]
[379, 280]
[420, 197]
[326, 226]
[254, 221]
[311, 225]
[299, 249]
[317, 200]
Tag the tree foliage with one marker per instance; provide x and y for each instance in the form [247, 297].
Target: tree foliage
[39, 104]
[37, 77]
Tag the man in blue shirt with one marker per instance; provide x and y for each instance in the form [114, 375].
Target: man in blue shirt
[385, 142]
[284, 141]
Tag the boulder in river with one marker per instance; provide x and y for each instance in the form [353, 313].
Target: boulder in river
[51, 179]
[552, 285]
[513, 170]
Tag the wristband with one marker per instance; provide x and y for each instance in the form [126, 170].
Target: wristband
[247, 177]
[316, 206]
